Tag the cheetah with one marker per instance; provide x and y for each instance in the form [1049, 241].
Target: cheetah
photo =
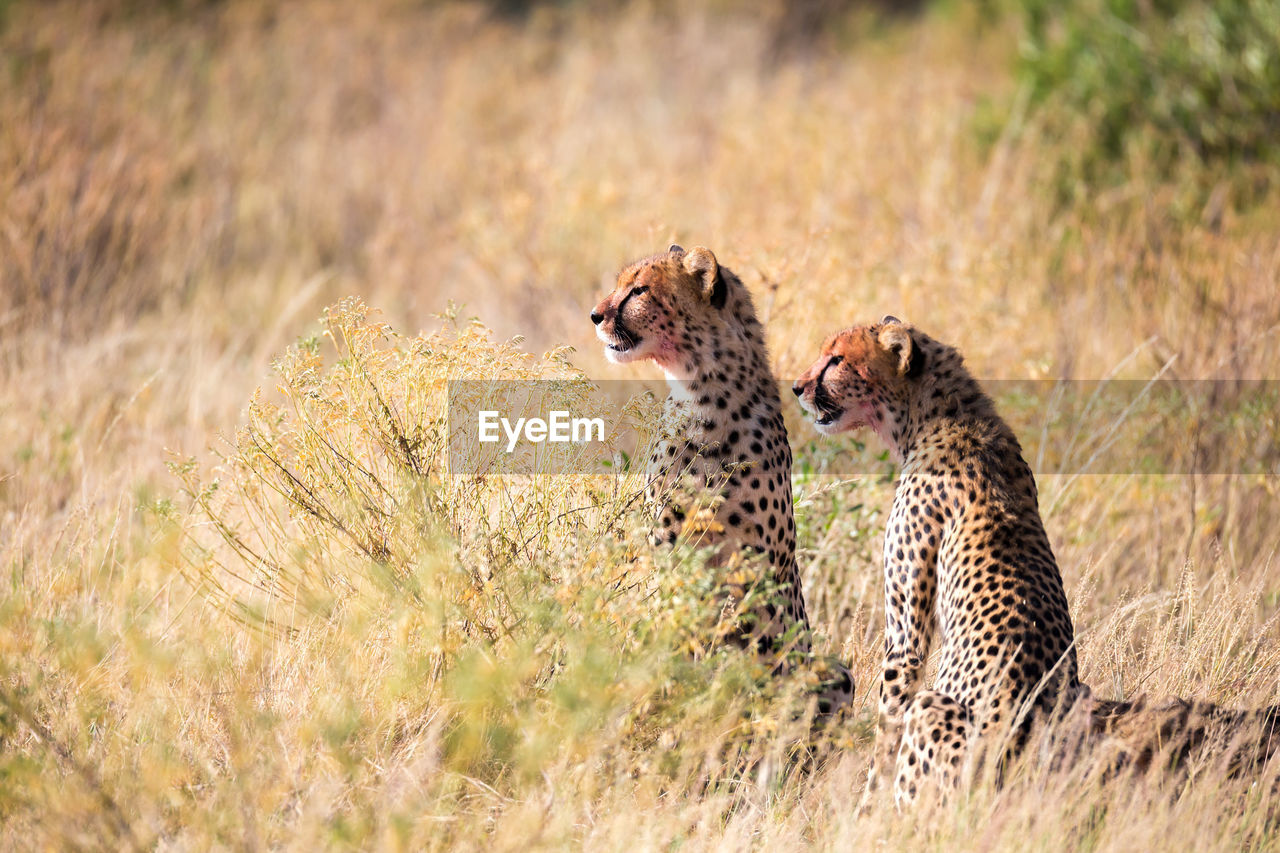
[695, 320]
[966, 556]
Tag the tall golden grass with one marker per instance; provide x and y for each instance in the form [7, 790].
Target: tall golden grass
[187, 665]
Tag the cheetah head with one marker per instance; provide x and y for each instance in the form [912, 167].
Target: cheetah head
[863, 378]
[645, 315]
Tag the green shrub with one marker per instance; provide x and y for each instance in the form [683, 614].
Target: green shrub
[526, 616]
[1153, 89]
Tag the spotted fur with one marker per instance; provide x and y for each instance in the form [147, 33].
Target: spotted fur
[695, 320]
[966, 557]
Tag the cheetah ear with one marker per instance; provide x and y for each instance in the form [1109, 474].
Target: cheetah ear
[675, 249]
[700, 263]
[896, 339]
[889, 318]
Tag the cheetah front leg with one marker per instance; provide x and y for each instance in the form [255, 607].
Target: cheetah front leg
[901, 674]
[910, 585]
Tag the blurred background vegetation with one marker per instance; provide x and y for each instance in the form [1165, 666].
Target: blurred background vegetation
[1186, 91]
[273, 619]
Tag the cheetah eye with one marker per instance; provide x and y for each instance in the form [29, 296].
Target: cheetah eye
[640, 291]
[835, 359]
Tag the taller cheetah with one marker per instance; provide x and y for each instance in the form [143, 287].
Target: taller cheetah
[966, 555]
[695, 320]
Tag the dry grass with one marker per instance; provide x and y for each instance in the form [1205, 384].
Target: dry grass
[183, 193]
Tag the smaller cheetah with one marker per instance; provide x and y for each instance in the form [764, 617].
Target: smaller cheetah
[966, 557]
[695, 319]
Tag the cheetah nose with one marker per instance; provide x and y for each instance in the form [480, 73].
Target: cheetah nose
[797, 389]
[596, 317]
